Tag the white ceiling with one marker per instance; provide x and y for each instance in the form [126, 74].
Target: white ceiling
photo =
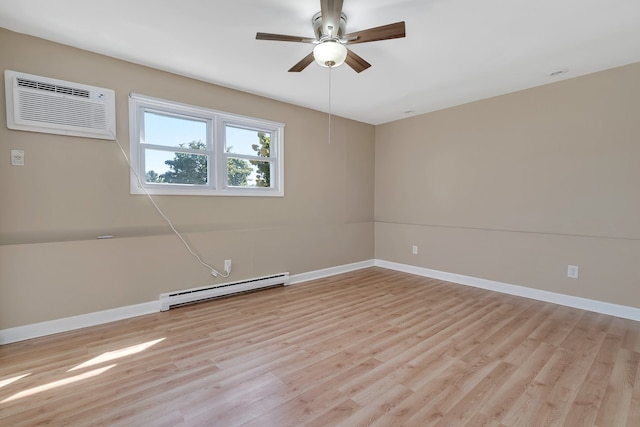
[456, 51]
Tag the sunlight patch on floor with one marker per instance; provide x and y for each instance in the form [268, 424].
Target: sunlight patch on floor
[13, 379]
[117, 354]
[58, 383]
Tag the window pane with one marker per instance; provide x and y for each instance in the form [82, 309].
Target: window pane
[191, 150]
[160, 129]
[247, 141]
[248, 173]
[176, 168]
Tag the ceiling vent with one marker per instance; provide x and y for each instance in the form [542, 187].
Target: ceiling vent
[40, 104]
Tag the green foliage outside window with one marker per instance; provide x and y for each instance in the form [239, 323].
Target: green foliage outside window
[263, 174]
[189, 168]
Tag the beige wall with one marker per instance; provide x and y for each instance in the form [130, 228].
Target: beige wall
[510, 189]
[516, 187]
[73, 189]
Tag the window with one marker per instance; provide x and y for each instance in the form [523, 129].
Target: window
[188, 150]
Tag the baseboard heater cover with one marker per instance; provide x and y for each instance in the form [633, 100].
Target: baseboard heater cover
[191, 296]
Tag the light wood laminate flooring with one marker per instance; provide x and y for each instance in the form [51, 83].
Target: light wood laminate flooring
[372, 347]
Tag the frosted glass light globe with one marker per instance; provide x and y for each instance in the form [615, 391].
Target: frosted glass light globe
[330, 53]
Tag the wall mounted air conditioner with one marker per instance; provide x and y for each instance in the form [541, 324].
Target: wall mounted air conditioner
[41, 104]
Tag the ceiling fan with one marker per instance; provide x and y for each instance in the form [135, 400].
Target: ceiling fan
[330, 39]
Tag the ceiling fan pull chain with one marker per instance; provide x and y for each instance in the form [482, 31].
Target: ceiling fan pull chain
[330, 104]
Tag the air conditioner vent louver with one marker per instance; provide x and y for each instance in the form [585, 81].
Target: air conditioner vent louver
[41, 104]
[33, 84]
[61, 111]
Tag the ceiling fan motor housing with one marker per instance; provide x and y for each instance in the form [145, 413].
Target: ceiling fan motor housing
[322, 33]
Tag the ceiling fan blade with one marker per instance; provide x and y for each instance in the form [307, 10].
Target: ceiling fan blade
[390, 31]
[356, 62]
[283, 38]
[304, 63]
[331, 11]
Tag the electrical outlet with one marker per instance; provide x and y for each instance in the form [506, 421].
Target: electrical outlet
[17, 157]
[572, 271]
[227, 266]
[414, 249]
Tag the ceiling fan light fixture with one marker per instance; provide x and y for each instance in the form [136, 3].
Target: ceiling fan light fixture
[330, 53]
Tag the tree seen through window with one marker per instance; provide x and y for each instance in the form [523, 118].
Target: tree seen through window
[192, 168]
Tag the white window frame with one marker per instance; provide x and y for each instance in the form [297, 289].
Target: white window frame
[217, 158]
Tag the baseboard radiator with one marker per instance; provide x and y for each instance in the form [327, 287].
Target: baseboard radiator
[191, 296]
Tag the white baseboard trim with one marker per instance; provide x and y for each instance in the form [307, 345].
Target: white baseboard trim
[617, 310]
[331, 271]
[35, 330]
